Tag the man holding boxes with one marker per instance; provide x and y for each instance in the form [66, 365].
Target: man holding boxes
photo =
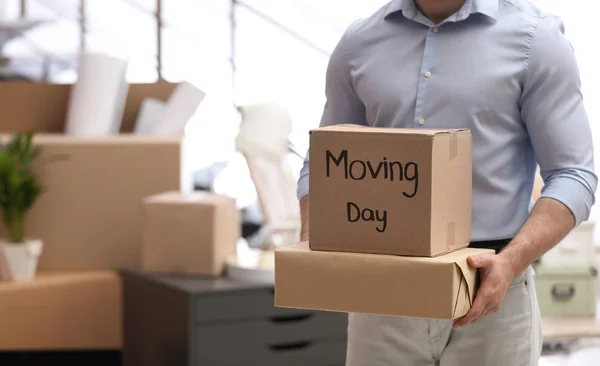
[504, 70]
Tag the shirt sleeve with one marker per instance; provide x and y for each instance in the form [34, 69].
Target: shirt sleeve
[342, 105]
[553, 111]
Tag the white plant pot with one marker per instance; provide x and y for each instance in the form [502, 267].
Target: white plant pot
[18, 262]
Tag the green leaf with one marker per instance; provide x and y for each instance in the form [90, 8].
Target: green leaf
[20, 185]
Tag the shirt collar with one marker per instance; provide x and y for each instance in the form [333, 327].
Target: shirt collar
[408, 8]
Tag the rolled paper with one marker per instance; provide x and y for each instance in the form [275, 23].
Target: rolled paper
[179, 109]
[98, 97]
[149, 115]
[3, 10]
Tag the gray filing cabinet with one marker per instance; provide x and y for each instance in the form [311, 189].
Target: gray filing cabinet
[174, 320]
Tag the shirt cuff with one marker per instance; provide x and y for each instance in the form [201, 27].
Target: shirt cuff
[573, 194]
[302, 190]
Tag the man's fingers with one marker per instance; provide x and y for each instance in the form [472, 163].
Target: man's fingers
[474, 315]
[480, 261]
[468, 318]
[490, 308]
[475, 311]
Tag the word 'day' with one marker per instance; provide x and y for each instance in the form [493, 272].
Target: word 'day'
[355, 213]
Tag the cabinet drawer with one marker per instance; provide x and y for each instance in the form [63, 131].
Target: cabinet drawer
[298, 354]
[312, 326]
[239, 305]
[566, 297]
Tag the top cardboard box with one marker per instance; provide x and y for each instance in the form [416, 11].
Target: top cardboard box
[390, 190]
[42, 107]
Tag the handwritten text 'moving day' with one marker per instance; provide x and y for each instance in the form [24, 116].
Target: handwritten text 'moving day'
[360, 170]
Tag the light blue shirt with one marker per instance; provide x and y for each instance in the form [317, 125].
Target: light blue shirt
[501, 68]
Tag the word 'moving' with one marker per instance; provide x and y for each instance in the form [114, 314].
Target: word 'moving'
[359, 170]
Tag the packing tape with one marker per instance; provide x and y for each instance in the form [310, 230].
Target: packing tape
[453, 145]
[450, 235]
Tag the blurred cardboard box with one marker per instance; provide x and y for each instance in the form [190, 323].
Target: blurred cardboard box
[62, 311]
[190, 233]
[41, 107]
[390, 190]
[434, 288]
[90, 215]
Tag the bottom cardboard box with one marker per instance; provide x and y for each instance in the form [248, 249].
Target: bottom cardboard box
[79, 310]
[434, 288]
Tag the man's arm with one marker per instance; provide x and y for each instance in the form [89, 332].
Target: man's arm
[553, 112]
[548, 223]
[342, 106]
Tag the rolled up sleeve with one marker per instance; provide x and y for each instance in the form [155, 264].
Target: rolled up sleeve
[553, 111]
[342, 105]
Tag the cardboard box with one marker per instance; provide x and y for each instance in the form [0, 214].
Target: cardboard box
[41, 107]
[432, 288]
[189, 234]
[90, 215]
[62, 311]
[390, 190]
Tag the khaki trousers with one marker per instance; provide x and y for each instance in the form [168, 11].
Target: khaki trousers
[510, 337]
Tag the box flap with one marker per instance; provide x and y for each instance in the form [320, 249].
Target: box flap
[386, 130]
[468, 281]
[469, 278]
[468, 274]
[466, 290]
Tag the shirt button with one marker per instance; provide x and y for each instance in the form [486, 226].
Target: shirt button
[421, 121]
[428, 74]
[436, 29]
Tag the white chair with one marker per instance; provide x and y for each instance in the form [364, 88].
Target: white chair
[276, 189]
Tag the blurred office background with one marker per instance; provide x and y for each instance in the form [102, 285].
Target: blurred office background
[237, 51]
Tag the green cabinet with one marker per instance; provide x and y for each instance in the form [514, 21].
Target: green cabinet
[566, 291]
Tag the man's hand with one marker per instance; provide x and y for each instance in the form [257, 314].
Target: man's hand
[496, 276]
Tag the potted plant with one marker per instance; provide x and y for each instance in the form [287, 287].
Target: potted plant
[19, 189]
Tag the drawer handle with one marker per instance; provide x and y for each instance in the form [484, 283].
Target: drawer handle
[286, 347]
[563, 293]
[290, 318]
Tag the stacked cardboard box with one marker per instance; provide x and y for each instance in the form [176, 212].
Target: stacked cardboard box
[390, 223]
[189, 233]
[88, 218]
